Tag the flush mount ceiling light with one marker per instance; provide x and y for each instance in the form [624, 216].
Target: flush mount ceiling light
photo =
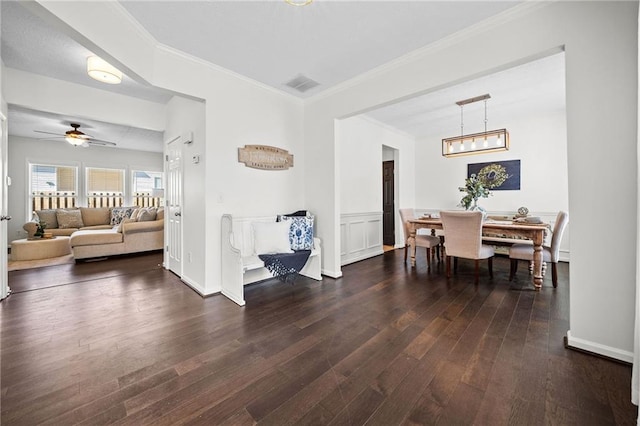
[298, 2]
[476, 143]
[100, 70]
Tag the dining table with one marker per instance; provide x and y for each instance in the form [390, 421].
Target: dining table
[508, 228]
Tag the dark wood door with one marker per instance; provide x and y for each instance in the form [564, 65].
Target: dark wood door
[388, 204]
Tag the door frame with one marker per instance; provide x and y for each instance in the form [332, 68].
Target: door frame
[4, 196]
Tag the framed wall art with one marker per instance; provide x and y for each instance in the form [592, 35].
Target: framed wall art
[498, 175]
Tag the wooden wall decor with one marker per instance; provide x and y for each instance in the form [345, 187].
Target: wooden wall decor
[265, 157]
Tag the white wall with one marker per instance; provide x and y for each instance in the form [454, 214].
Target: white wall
[539, 141]
[594, 36]
[23, 151]
[361, 143]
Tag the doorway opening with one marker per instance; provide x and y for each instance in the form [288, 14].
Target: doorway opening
[389, 192]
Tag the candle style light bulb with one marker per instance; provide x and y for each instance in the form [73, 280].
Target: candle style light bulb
[499, 141]
[485, 143]
[461, 146]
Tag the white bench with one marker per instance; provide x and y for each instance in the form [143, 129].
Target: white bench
[240, 264]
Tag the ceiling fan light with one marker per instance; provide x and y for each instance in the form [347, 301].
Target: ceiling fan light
[75, 141]
[298, 2]
[100, 70]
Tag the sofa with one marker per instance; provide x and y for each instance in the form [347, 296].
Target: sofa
[104, 231]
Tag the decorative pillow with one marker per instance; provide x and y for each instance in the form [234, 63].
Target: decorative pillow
[271, 237]
[300, 232]
[120, 213]
[69, 218]
[48, 216]
[147, 214]
[118, 227]
[92, 216]
[160, 213]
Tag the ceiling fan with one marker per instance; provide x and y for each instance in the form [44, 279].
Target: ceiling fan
[77, 138]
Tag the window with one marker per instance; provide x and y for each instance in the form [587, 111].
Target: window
[105, 187]
[147, 188]
[52, 187]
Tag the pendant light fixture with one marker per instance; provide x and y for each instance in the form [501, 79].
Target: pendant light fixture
[476, 143]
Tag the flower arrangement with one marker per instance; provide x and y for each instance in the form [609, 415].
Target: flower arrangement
[40, 227]
[475, 188]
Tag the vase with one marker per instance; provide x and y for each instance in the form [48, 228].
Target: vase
[476, 207]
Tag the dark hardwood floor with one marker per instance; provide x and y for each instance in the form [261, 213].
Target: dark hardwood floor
[125, 342]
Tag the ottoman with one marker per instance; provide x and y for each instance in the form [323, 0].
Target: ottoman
[25, 249]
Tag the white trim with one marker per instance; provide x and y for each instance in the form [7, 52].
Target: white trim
[599, 349]
[332, 274]
[365, 241]
[195, 286]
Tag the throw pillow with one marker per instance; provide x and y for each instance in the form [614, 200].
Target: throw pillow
[69, 219]
[92, 216]
[118, 227]
[48, 216]
[147, 214]
[120, 213]
[271, 237]
[300, 232]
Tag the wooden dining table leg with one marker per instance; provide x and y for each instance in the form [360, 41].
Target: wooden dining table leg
[537, 259]
[412, 243]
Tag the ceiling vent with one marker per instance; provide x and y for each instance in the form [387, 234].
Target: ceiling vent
[302, 83]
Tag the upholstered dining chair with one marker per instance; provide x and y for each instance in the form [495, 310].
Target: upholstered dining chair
[427, 241]
[463, 238]
[550, 254]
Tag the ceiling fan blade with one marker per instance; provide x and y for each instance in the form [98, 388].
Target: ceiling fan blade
[50, 138]
[49, 133]
[100, 142]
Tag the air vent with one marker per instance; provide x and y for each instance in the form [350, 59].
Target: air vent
[302, 83]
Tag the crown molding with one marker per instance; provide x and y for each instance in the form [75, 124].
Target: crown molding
[523, 9]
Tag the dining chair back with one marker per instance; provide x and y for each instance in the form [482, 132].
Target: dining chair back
[550, 253]
[427, 241]
[463, 238]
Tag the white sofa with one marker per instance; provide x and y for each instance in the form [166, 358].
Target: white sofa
[240, 264]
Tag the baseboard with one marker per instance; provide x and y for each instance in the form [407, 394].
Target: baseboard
[332, 274]
[194, 285]
[363, 256]
[233, 298]
[598, 349]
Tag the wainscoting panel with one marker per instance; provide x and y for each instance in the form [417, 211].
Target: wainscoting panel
[360, 236]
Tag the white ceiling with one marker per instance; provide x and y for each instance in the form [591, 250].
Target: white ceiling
[329, 41]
